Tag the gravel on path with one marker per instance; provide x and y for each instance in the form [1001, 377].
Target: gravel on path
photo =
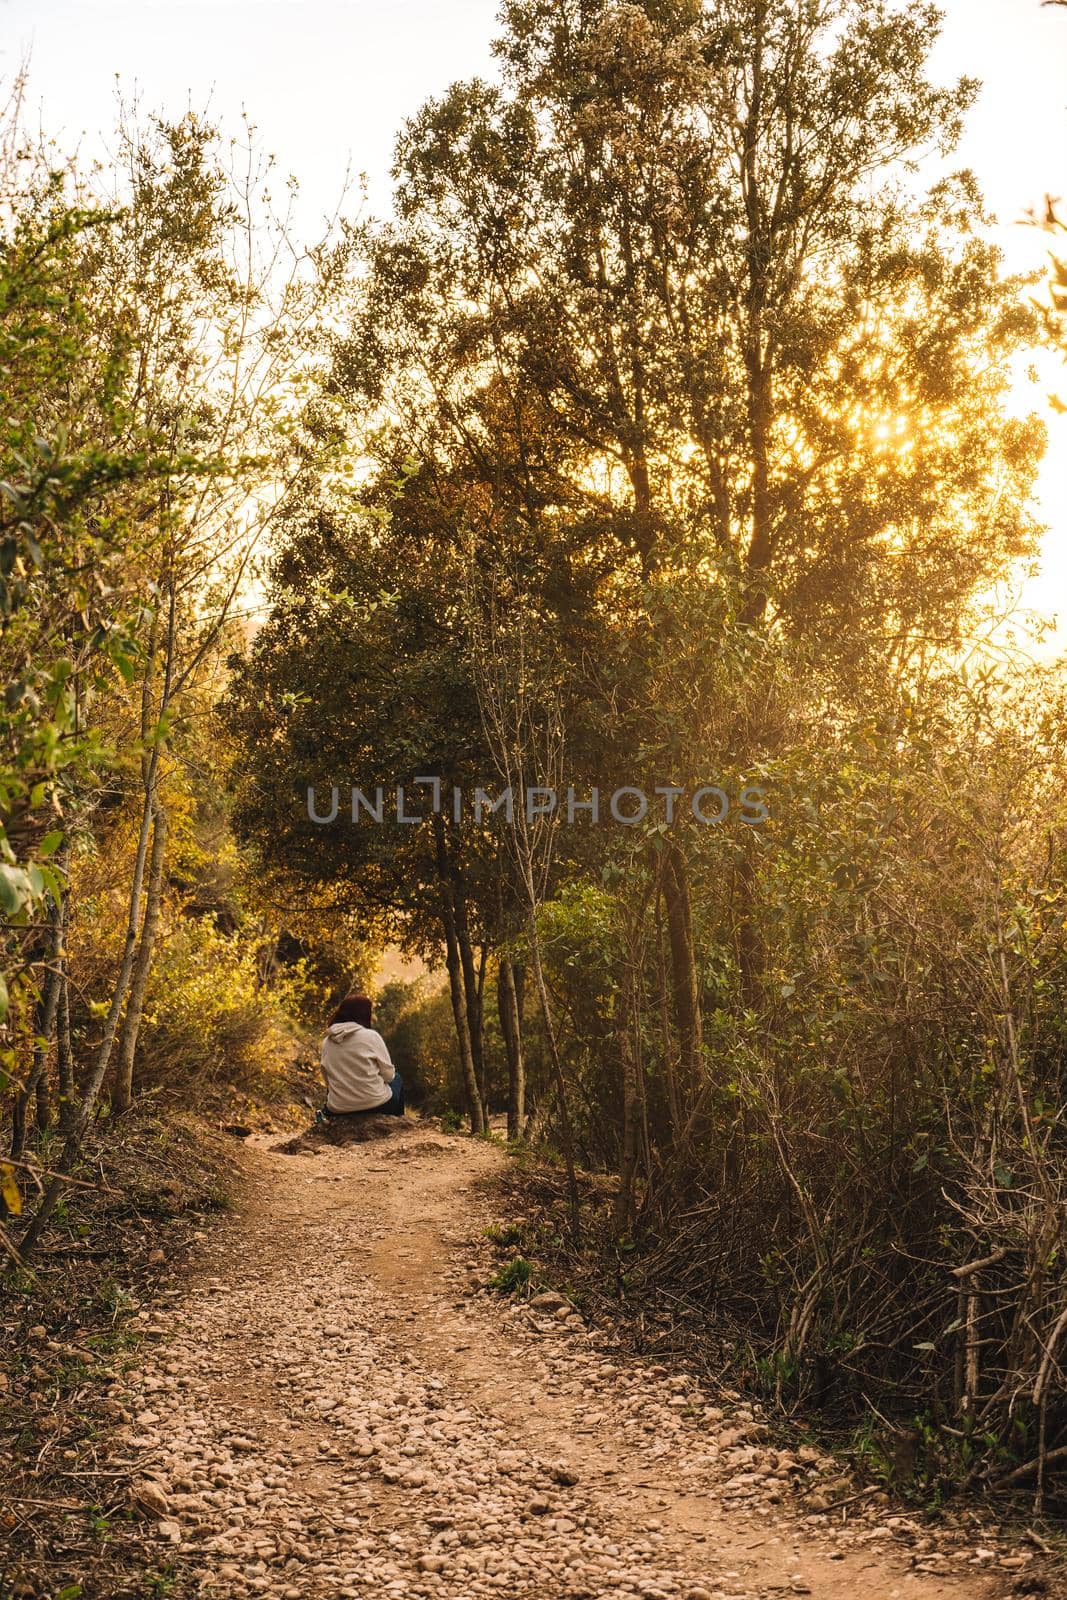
[329, 1410]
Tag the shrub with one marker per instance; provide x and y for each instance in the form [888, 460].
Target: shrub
[209, 1015]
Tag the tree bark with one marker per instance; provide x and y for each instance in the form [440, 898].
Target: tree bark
[683, 968]
[624, 1201]
[566, 1132]
[131, 1022]
[670, 1064]
[758, 362]
[68, 1090]
[454, 963]
[507, 998]
[472, 987]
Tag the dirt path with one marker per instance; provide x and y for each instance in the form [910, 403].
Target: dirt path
[328, 1412]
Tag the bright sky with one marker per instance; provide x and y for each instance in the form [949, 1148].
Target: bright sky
[328, 83]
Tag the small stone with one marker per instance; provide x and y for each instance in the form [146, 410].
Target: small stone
[548, 1300]
[150, 1496]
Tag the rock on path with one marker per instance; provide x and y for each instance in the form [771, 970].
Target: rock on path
[325, 1413]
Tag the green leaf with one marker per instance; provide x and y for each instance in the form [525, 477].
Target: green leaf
[51, 842]
[13, 887]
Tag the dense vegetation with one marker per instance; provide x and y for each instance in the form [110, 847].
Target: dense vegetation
[661, 443]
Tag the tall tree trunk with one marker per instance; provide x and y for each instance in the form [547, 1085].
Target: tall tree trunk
[131, 1022]
[42, 1098]
[454, 964]
[624, 1202]
[518, 972]
[507, 999]
[640, 482]
[758, 359]
[475, 1108]
[566, 1132]
[683, 968]
[472, 987]
[68, 1089]
[670, 1063]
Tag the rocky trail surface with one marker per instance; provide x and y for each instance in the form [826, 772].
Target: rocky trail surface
[327, 1411]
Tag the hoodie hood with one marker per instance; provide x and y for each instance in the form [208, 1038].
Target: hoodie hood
[341, 1030]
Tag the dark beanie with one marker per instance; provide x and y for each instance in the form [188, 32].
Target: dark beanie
[353, 1008]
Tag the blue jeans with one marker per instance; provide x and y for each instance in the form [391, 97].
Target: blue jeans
[393, 1107]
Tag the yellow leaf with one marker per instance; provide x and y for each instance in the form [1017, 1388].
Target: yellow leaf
[10, 1190]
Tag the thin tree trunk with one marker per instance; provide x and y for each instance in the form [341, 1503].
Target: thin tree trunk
[454, 963]
[624, 1202]
[68, 1090]
[566, 1132]
[131, 1022]
[471, 986]
[758, 364]
[683, 968]
[475, 1109]
[123, 1093]
[670, 1065]
[43, 1099]
[507, 998]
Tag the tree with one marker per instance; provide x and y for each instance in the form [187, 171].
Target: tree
[679, 253]
[76, 479]
[359, 679]
[683, 228]
[198, 322]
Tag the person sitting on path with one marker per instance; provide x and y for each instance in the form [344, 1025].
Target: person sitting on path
[360, 1077]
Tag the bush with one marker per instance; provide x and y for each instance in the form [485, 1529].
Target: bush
[416, 1018]
[209, 1016]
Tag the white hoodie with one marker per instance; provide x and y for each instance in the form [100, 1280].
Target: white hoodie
[357, 1068]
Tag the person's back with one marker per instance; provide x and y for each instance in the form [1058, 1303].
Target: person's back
[359, 1073]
